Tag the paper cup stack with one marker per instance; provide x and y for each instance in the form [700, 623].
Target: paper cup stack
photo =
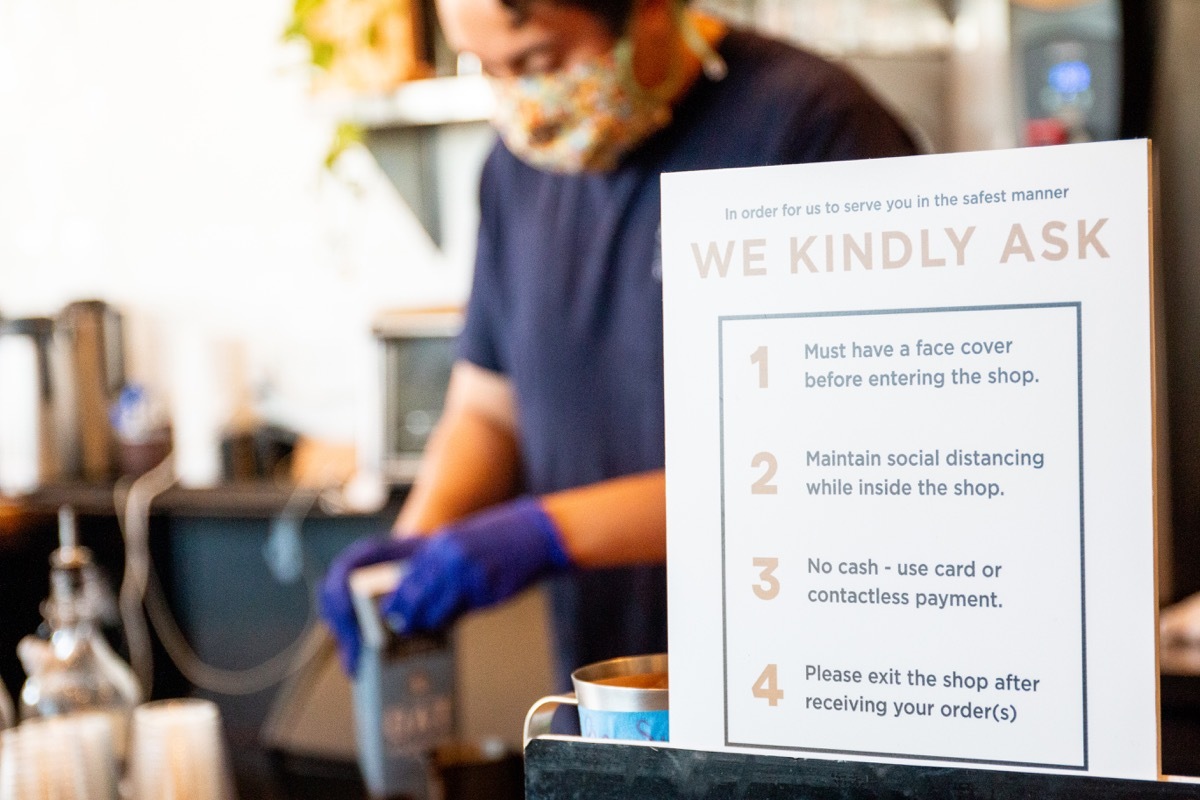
[66, 758]
[177, 752]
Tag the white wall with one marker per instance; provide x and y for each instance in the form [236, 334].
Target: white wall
[167, 157]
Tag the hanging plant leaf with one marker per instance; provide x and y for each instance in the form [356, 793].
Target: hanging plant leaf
[347, 135]
[322, 54]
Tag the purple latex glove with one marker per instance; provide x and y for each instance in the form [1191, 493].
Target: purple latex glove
[336, 605]
[476, 562]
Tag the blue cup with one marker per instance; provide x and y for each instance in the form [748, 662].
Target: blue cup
[622, 698]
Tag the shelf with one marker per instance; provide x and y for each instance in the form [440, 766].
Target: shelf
[416, 131]
[423, 103]
[243, 499]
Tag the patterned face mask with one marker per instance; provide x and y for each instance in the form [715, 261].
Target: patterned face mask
[583, 118]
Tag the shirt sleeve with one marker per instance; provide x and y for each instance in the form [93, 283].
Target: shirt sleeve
[479, 340]
[843, 121]
[866, 129]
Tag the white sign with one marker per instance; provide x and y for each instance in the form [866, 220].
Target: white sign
[909, 459]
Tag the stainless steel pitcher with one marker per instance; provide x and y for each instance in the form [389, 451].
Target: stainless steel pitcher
[35, 439]
[93, 333]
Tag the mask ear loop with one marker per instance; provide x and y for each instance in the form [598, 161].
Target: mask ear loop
[712, 63]
[664, 91]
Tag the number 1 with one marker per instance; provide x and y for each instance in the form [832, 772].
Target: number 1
[759, 357]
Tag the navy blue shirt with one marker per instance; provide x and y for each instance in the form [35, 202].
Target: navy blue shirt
[567, 297]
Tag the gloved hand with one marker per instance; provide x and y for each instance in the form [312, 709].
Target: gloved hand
[337, 607]
[476, 562]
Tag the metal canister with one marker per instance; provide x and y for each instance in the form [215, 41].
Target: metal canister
[34, 415]
[93, 330]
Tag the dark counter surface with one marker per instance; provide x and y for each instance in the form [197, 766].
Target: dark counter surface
[576, 770]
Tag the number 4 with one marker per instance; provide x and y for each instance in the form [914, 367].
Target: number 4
[767, 685]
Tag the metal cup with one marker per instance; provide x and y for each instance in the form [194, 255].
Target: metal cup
[613, 699]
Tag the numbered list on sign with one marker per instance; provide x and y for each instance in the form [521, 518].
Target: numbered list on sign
[903, 534]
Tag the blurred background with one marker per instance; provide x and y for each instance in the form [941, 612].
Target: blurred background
[243, 230]
[169, 159]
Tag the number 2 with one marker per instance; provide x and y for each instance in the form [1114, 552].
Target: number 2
[767, 686]
[763, 485]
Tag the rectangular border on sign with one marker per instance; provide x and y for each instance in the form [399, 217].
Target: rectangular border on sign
[1082, 564]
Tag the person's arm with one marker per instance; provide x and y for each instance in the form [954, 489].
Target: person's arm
[616, 522]
[471, 459]
[471, 463]
[490, 556]
[480, 549]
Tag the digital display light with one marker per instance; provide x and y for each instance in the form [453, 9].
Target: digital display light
[1070, 77]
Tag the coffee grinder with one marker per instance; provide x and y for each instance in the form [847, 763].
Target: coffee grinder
[404, 703]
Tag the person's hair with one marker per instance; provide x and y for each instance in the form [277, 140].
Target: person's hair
[613, 13]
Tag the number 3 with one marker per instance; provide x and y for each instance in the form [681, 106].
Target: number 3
[769, 587]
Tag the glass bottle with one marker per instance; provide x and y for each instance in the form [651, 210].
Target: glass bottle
[7, 715]
[75, 669]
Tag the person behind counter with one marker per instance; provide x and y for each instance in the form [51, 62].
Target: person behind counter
[548, 459]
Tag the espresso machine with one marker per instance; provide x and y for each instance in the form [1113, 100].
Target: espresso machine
[1038, 72]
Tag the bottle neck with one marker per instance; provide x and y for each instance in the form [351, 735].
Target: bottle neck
[70, 639]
